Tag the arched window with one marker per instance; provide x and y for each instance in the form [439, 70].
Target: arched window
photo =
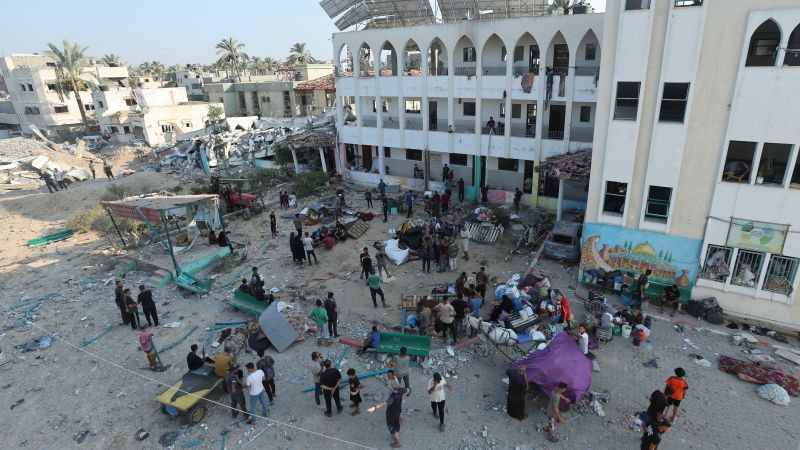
[792, 57]
[763, 45]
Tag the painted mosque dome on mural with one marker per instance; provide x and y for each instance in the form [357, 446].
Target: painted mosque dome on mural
[645, 247]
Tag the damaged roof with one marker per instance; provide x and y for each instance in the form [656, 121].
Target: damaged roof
[152, 206]
[326, 82]
[312, 137]
[569, 166]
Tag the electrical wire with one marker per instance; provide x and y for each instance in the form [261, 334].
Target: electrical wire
[111, 363]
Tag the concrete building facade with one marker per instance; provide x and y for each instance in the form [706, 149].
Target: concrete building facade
[273, 95]
[154, 116]
[34, 100]
[437, 87]
[695, 167]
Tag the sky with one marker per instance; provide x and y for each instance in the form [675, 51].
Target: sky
[172, 32]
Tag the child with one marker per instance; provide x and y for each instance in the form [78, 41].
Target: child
[679, 385]
[355, 391]
[553, 410]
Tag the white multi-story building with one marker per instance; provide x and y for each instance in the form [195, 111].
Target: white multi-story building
[34, 99]
[424, 95]
[155, 116]
[275, 95]
[193, 79]
[695, 161]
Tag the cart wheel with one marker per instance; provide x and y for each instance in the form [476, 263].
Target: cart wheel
[196, 414]
[247, 214]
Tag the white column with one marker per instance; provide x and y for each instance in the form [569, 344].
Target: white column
[381, 161]
[559, 205]
[294, 158]
[322, 159]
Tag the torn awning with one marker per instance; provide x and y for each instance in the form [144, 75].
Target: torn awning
[152, 206]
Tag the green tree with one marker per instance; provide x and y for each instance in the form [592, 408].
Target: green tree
[261, 180]
[230, 55]
[157, 70]
[111, 59]
[70, 61]
[271, 64]
[299, 54]
[172, 73]
[215, 113]
[257, 65]
[559, 7]
[283, 156]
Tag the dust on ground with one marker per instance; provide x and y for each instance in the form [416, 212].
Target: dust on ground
[101, 395]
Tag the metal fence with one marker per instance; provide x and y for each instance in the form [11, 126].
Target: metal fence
[465, 71]
[557, 135]
[494, 71]
[413, 123]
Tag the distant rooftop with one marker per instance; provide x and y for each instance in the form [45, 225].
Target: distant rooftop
[400, 13]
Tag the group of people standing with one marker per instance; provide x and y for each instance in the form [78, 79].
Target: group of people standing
[654, 421]
[129, 308]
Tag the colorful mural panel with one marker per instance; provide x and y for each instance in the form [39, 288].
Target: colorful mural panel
[673, 259]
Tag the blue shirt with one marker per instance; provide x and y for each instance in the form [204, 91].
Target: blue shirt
[409, 198]
[475, 307]
[375, 340]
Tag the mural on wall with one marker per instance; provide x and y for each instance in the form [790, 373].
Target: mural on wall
[673, 259]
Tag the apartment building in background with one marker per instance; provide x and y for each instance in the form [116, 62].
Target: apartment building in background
[193, 79]
[695, 169]
[490, 97]
[275, 95]
[153, 116]
[34, 100]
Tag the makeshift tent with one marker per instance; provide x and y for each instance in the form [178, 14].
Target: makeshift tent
[561, 361]
[394, 252]
[277, 328]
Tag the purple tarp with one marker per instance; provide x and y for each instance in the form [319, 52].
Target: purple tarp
[562, 360]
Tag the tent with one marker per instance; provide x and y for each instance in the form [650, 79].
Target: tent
[277, 328]
[561, 361]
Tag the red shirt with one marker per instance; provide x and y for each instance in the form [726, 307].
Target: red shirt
[566, 313]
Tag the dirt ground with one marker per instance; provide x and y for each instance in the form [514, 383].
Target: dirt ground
[102, 393]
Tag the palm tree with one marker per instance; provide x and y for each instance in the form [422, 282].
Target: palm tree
[271, 64]
[258, 66]
[157, 70]
[112, 60]
[244, 63]
[230, 51]
[559, 7]
[172, 73]
[70, 62]
[299, 54]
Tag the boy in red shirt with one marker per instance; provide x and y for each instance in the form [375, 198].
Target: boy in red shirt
[679, 385]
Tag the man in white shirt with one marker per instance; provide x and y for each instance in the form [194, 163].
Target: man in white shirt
[308, 246]
[255, 388]
[58, 176]
[583, 343]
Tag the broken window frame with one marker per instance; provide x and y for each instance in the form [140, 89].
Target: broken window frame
[60, 109]
[614, 194]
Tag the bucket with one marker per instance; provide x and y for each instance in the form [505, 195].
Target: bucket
[626, 331]
[616, 330]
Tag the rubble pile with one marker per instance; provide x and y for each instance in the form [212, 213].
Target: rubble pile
[22, 158]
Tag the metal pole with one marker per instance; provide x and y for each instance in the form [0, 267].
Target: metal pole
[403, 324]
[111, 216]
[169, 245]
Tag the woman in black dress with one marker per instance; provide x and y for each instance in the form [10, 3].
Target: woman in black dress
[517, 386]
[296, 246]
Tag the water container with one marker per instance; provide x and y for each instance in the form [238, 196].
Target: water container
[626, 331]
[648, 322]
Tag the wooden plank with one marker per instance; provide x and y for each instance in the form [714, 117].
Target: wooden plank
[788, 355]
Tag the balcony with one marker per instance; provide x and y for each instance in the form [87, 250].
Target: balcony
[581, 133]
[369, 122]
[391, 122]
[464, 126]
[413, 123]
[520, 130]
[498, 71]
[465, 71]
[439, 125]
[522, 70]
